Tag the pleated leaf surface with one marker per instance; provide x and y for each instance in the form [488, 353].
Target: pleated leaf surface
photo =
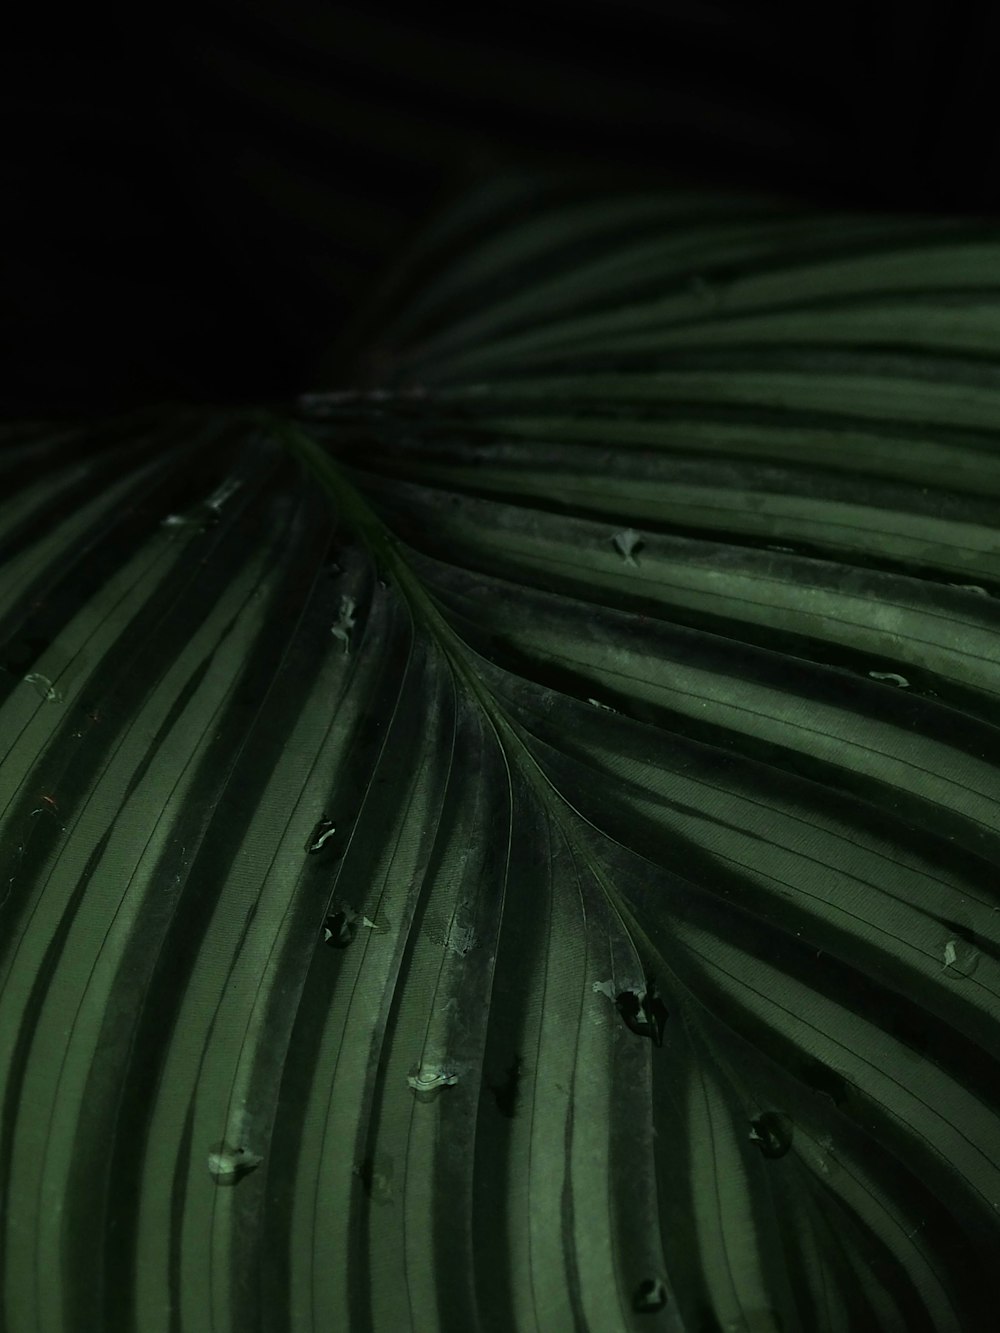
[511, 843]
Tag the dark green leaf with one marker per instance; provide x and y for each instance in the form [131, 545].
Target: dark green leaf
[528, 825]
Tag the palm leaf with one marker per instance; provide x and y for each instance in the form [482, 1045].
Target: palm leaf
[512, 844]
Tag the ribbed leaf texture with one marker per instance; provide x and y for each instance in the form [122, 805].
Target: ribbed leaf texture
[511, 844]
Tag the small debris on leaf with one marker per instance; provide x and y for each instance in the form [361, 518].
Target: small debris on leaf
[650, 1296]
[326, 828]
[627, 542]
[461, 939]
[901, 681]
[644, 1012]
[772, 1133]
[597, 704]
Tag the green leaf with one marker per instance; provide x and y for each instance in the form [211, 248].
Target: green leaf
[512, 845]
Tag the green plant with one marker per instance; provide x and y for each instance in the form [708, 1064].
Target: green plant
[511, 844]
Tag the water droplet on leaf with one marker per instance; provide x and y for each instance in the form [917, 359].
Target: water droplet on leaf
[229, 1165]
[644, 1012]
[461, 939]
[340, 928]
[901, 681]
[627, 542]
[43, 686]
[970, 587]
[427, 1081]
[960, 956]
[222, 493]
[324, 829]
[649, 1296]
[345, 622]
[772, 1133]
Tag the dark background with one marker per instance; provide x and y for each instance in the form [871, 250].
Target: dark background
[193, 207]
